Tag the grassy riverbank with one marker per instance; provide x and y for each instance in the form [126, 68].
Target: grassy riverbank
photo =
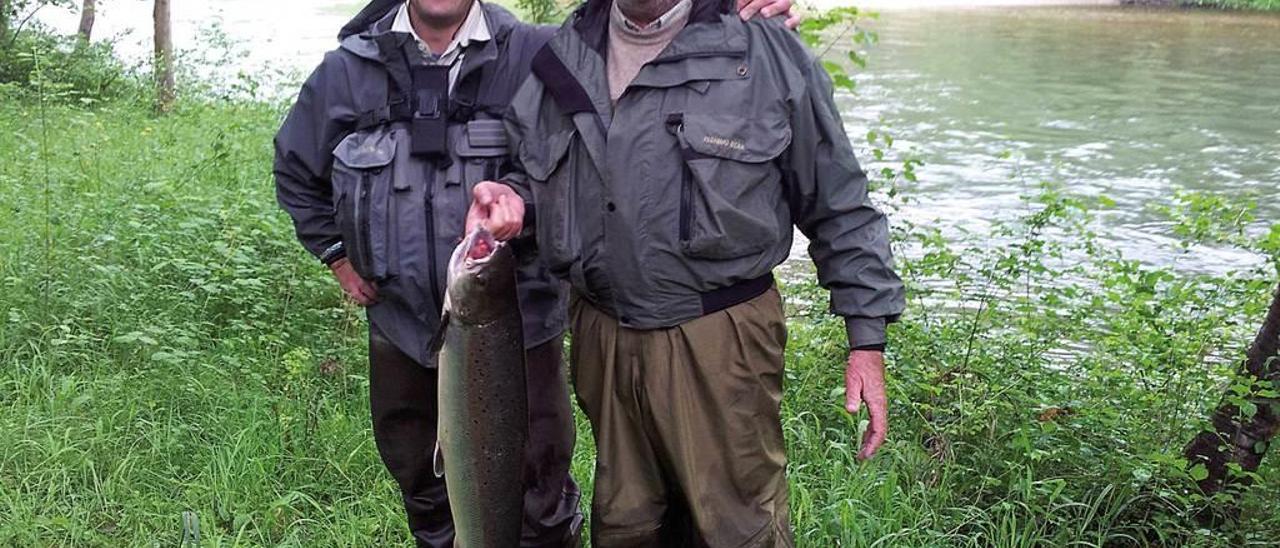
[166, 347]
[1265, 5]
[1261, 5]
[1258, 5]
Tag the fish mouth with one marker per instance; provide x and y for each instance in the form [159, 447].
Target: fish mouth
[480, 248]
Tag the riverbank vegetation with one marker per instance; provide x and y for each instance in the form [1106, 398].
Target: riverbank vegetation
[174, 367]
[1267, 5]
[1259, 5]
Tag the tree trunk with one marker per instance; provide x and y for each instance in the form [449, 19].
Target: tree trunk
[1237, 437]
[87, 14]
[5, 6]
[164, 57]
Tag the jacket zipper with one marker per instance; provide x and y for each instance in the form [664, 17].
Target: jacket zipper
[361, 222]
[431, 244]
[686, 201]
[686, 179]
[695, 55]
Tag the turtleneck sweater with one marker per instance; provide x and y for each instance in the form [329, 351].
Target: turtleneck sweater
[632, 45]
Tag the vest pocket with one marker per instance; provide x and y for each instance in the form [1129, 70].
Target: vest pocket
[731, 196]
[481, 154]
[362, 179]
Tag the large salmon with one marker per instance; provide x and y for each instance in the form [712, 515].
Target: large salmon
[484, 420]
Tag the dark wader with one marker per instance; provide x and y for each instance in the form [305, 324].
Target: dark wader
[402, 397]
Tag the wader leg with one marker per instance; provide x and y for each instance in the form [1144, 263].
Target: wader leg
[629, 501]
[700, 404]
[551, 515]
[402, 398]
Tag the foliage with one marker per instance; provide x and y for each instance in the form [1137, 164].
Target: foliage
[543, 11]
[839, 28]
[168, 353]
[165, 346]
[1269, 5]
[16, 14]
[64, 68]
[1043, 387]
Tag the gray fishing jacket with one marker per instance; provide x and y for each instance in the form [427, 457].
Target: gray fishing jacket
[344, 171]
[680, 200]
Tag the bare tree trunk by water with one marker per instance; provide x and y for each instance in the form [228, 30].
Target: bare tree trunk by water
[4, 20]
[164, 57]
[87, 14]
[1243, 424]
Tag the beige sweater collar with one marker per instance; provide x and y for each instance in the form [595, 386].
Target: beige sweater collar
[632, 46]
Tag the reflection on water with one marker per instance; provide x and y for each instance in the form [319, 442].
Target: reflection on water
[1131, 104]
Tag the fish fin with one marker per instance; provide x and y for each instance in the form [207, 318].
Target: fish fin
[437, 461]
[437, 340]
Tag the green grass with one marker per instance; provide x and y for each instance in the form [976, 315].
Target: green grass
[1264, 5]
[166, 347]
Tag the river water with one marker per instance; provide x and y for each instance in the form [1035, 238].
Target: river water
[1132, 104]
[1128, 103]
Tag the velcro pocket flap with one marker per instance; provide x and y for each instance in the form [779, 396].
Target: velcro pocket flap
[483, 139]
[753, 140]
[366, 150]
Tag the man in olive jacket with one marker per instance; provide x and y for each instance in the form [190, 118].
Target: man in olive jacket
[665, 150]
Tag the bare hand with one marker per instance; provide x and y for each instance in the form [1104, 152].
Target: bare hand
[864, 382]
[360, 291]
[497, 208]
[768, 8]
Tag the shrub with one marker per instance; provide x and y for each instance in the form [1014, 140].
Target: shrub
[64, 69]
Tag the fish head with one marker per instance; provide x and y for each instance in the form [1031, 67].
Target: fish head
[482, 278]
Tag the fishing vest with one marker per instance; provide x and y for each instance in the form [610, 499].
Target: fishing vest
[402, 183]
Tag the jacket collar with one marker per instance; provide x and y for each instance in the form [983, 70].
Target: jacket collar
[473, 29]
[572, 65]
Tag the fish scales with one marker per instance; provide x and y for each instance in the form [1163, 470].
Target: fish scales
[484, 420]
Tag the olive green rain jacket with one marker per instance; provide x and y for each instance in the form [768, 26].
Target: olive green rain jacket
[680, 199]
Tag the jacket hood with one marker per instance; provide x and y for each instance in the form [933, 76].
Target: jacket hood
[362, 35]
[372, 12]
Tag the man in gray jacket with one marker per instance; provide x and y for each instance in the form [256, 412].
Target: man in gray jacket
[375, 164]
[664, 150]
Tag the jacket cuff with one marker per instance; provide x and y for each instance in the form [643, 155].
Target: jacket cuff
[865, 333]
[530, 215]
[511, 181]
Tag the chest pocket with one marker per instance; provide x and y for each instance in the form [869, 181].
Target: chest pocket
[548, 163]
[362, 185]
[480, 152]
[731, 196]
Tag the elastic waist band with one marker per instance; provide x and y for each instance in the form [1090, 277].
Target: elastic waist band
[741, 292]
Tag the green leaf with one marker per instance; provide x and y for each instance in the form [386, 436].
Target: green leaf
[1248, 408]
[843, 81]
[1199, 472]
